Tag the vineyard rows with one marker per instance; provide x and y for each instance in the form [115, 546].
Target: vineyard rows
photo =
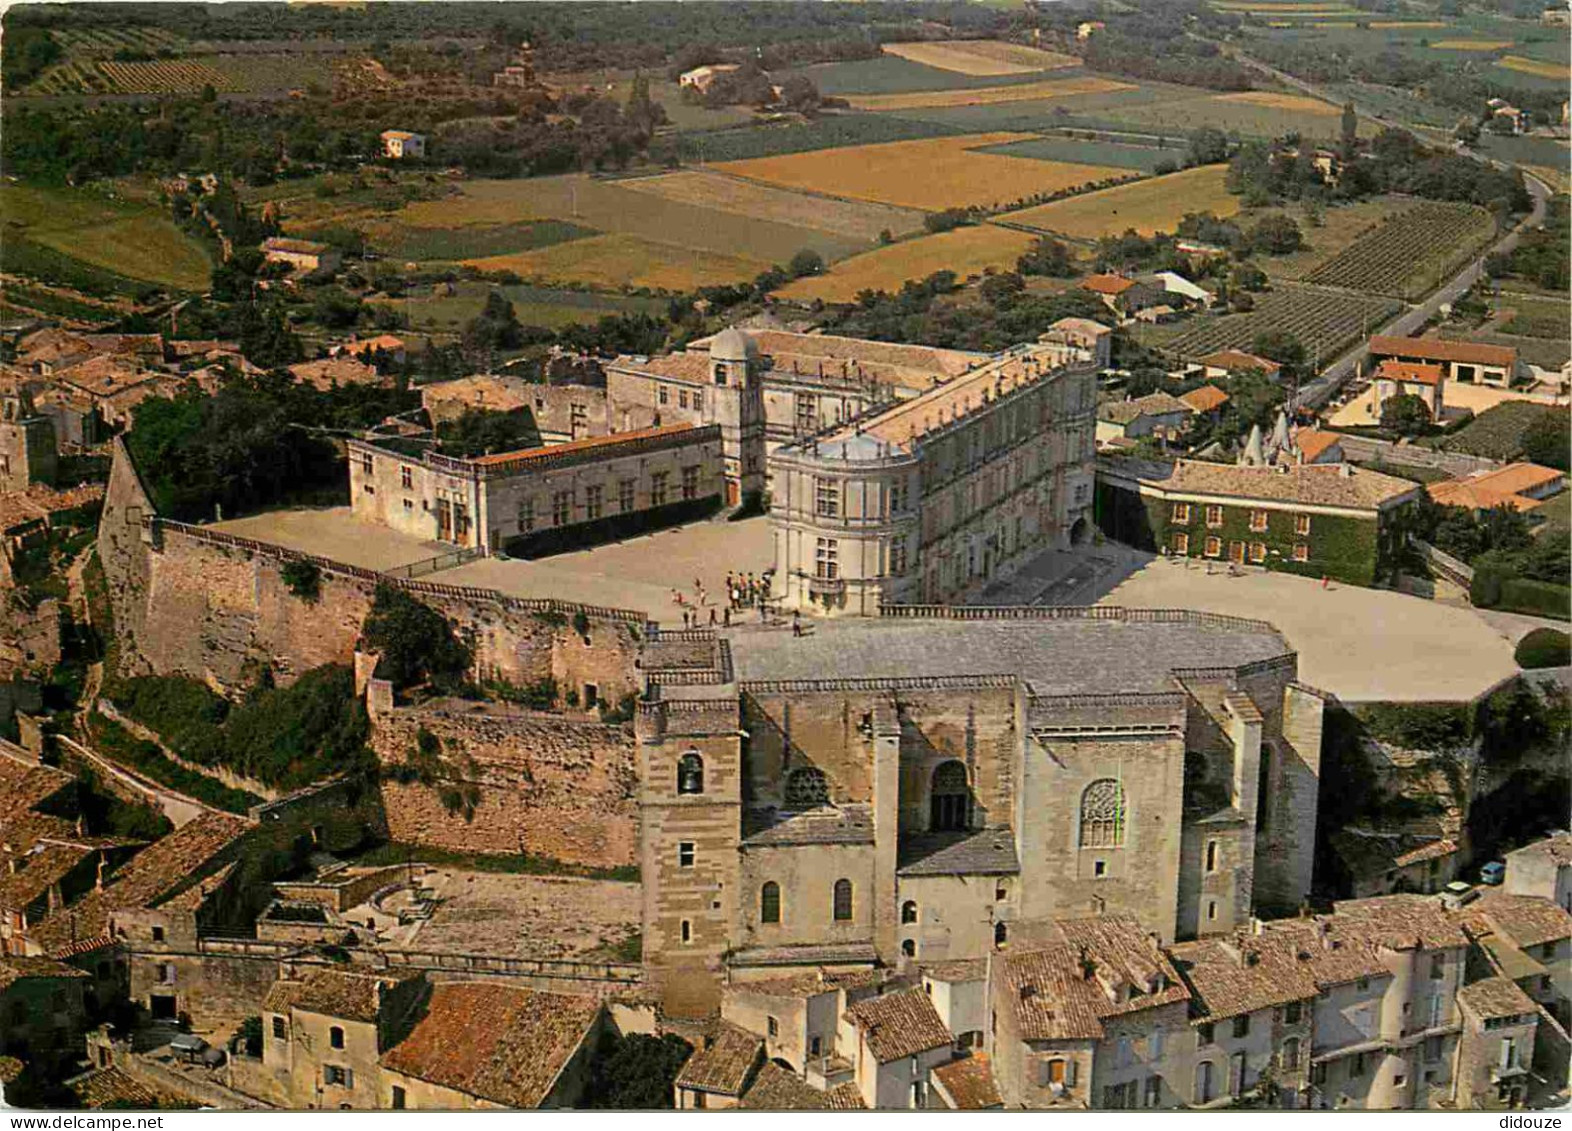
[173, 76]
[106, 41]
[1407, 254]
[1324, 321]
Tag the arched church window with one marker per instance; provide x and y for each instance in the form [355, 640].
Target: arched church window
[770, 903]
[843, 900]
[950, 798]
[1102, 814]
[690, 773]
[806, 788]
[909, 911]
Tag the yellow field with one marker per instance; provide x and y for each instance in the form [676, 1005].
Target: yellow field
[1263, 7]
[625, 261]
[1471, 44]
[1154, 205]
[980, 56]
[1537, 67]
[987, 95]
[931, 174]
[1295, 102]
[1409, 23]
[966, 251]
[762, 202]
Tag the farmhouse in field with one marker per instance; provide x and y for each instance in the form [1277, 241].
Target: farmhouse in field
[305, 256]
[1317, 519]
[1393, 378]
[932, 498]
[1462, 362]
[701, 78]
[1225, 362]
[1207, 401]
[399, 144]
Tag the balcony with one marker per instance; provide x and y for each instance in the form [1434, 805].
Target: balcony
[826, 586]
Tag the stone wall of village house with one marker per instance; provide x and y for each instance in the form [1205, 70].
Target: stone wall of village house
[551, 786]
[189, 601]
[217, 991]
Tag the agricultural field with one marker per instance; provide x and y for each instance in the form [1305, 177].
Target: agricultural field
[1154, 205]
[1145, 158]
[1410, 253]
[1046, 90]
[890, 74]
[981, 56]
[1324, 321]
[1498, 433]
[164, 76]
[1253, 113]
[1534, 317]
[849, 218]
[109, 237]
[930, 175]
[226, 74]
[683, 116]
[832, 131]
[966, 251]
[447, 307]
[1536, 67]
[1339, 227]
[626, 262]
[615, 208]
[1470, 44]
[446, 244]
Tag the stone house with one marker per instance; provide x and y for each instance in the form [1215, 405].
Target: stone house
[1463, 362]
[1207, 401]
[798, 1016]
[399, 144]
[28, 450]
[1543, 868]
[894, 1041]
[1219, 365]
[1529, 940]
[1393, 378]
[324, 1033]
[1496, 1048]
[720, 1069]
[1332, 520]
[485, 1045]
[966, 1085]
[1156, 414]
[959, 992]
[1080, 339]
[306, 257]
[1521, 486]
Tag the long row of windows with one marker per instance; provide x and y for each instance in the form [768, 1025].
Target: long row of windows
[562, 502]
[1260, 520]
[1179, 543]
[770, 902]
[684, 398]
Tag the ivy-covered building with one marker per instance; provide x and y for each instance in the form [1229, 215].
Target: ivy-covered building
[1320, 520]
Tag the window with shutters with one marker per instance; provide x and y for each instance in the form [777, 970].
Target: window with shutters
[843, 901]
[1301, 552]
[1214, 547]
[1179, 542]
[625, 495]
[593, 501]
[1258, 552]
[561, 507]
[1301, 524]
[1181, 513]
[1214, 515]
[1102, 814]
[1258, 520]
[406, 478]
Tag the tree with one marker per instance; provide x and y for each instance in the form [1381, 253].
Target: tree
[1548, 439]
[1407, 415]
[416, 643]
[1047, 257]
[496, 327]
[1002, 290]
[1281, 346]
[1276, 234]
[335, 308]
[946, 219]
[1349, 137]
[636, 1071]
[806, 262]
[1208, 146]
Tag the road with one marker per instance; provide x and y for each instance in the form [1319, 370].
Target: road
[1314, 394]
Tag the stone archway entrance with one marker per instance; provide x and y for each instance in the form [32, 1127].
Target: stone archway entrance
[1080, 532]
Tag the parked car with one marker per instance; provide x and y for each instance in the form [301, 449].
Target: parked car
[1493, 873]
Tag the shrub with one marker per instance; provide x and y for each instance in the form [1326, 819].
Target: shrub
[1535, 598]
[416, 643]
[304, 579]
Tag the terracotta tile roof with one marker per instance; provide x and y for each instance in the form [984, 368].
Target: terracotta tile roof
[1153, 404]
[900, 1024]
[24, 785]
[1516, 478]
[19, 834]
[493, 392]
[39, 500]
[13, 968]
[589, 444]
[828, 824]
[337, 370]
[809, 984]
[1238, 359]
[363, 346]
[678, 366]
[1528, 920]
[107, 375]
[844, 1097]
[969, 1083]
[914, 366]
[1495, 997]
[724, 1063]
[1435, 850]
[1557, 849]
[1313, 443]
[295, 246]
[105, 1086]
[1241, 974]
[957, 970]
[1472, 496]
[1322, 484]
[1090, 970]
[1408, 372]
[1344, 946]
[500, 1043]
[1106, 284]
[1440, 349]
[43, 869]
[282, 996]
[349, 994]
[1205, 399]
[776, 1089]
[1088, 326]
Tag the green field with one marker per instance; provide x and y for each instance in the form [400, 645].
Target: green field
[828, 132]
[419, 244]
[442, 313]
[1324, 321]
[1535, 317]
[890, 74]
[113, 245]
[1143, 157]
